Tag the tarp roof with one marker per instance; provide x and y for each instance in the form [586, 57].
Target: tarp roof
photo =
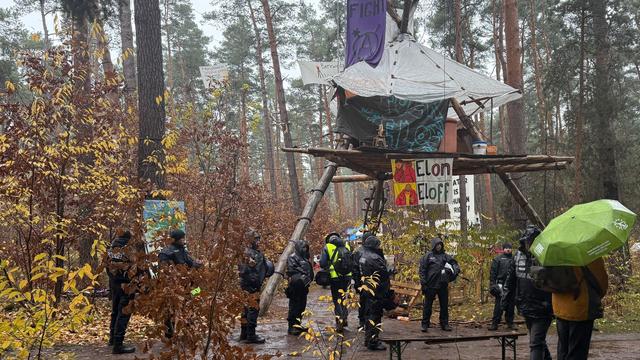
[411, 71]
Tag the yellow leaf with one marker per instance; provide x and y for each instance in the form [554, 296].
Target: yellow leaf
[35, 37]
[10, 87]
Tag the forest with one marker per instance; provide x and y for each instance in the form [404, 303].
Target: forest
[108, 107]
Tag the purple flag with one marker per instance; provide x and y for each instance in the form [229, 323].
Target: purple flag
[366, 21]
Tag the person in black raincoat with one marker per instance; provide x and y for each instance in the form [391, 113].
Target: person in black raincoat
[532, 303]
[437, 269]
[117, 272]
[300, 273]
[252, 272]
[500, 267]
[373, 268]
[175, 253]
[357, 278]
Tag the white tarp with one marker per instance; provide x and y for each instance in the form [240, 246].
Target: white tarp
[411, 71]
[317, 72]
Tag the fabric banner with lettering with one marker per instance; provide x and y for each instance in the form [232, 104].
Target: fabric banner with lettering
[366, 26]
[408, 125]
[422, 181]
[315, 72]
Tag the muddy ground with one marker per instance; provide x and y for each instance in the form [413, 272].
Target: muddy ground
[274, 328]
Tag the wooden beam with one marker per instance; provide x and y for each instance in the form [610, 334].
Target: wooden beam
[521, 200]
[355, 178]
[466, 120]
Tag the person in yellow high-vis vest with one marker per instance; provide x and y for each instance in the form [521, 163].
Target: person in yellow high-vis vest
[339, 280]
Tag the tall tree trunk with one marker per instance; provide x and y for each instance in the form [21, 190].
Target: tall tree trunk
[318, 160]
[338, 188]
[45, 29]
[604, 102]
[537, 74]
[266, 118]
[150, 92]
[282, 105]
[577, 192]
[517, 136]
[244, 137]
[462, 180]
[128, 61]
[167, 29]
[517, 129]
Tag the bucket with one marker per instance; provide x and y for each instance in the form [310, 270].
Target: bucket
[479, 147]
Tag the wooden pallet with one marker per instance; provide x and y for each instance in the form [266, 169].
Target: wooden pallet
[408, 291]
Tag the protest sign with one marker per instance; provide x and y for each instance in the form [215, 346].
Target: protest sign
[160, 217]
[422, 181]
[213, 73]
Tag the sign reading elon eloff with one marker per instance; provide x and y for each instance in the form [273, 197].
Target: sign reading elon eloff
[422, 181]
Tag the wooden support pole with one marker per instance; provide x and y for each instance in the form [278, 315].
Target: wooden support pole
[521, 200]
[298, 233]
[466, 120]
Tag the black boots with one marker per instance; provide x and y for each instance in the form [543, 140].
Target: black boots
[119, 348]
[376, 346]
[243, 333]
[446, 327]
[252, 338]
[296, 330]
[425, 328]
[493, 327]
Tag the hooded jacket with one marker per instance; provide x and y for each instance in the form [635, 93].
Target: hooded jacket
[299, 268]
[254, 269]
[372, 262]
[433, 273]
[117, 271]
[333, 243]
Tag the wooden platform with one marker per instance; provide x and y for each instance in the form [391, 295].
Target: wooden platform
[376, 161]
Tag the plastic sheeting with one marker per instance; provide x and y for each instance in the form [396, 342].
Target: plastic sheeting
[411, 71]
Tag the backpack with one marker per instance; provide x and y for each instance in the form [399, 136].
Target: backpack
[344, 264]
[557, 279]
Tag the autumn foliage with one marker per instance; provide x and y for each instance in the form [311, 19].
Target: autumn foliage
[67, 185]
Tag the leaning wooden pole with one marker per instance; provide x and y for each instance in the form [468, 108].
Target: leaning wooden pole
[298, 233]
[521, 200]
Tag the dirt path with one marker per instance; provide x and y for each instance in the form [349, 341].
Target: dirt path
[274, 329]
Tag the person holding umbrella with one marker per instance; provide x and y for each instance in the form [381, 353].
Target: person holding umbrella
[576, 241]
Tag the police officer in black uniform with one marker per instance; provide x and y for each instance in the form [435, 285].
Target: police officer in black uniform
[373, 268]
[254, 269]
[300, 273]
[176, 253]
[499, 269]
[437, 269]
[118, 275]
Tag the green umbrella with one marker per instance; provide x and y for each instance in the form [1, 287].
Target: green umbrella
[584, 233]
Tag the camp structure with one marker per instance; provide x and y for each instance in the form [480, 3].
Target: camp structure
[413, 104]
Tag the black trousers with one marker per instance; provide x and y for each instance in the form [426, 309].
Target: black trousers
[538, 327]
[297, 303]
[508, 312]
[337, 284]
[373, 319]
[362, 304]
[574, 338]
[443, 299]
[119, 318]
